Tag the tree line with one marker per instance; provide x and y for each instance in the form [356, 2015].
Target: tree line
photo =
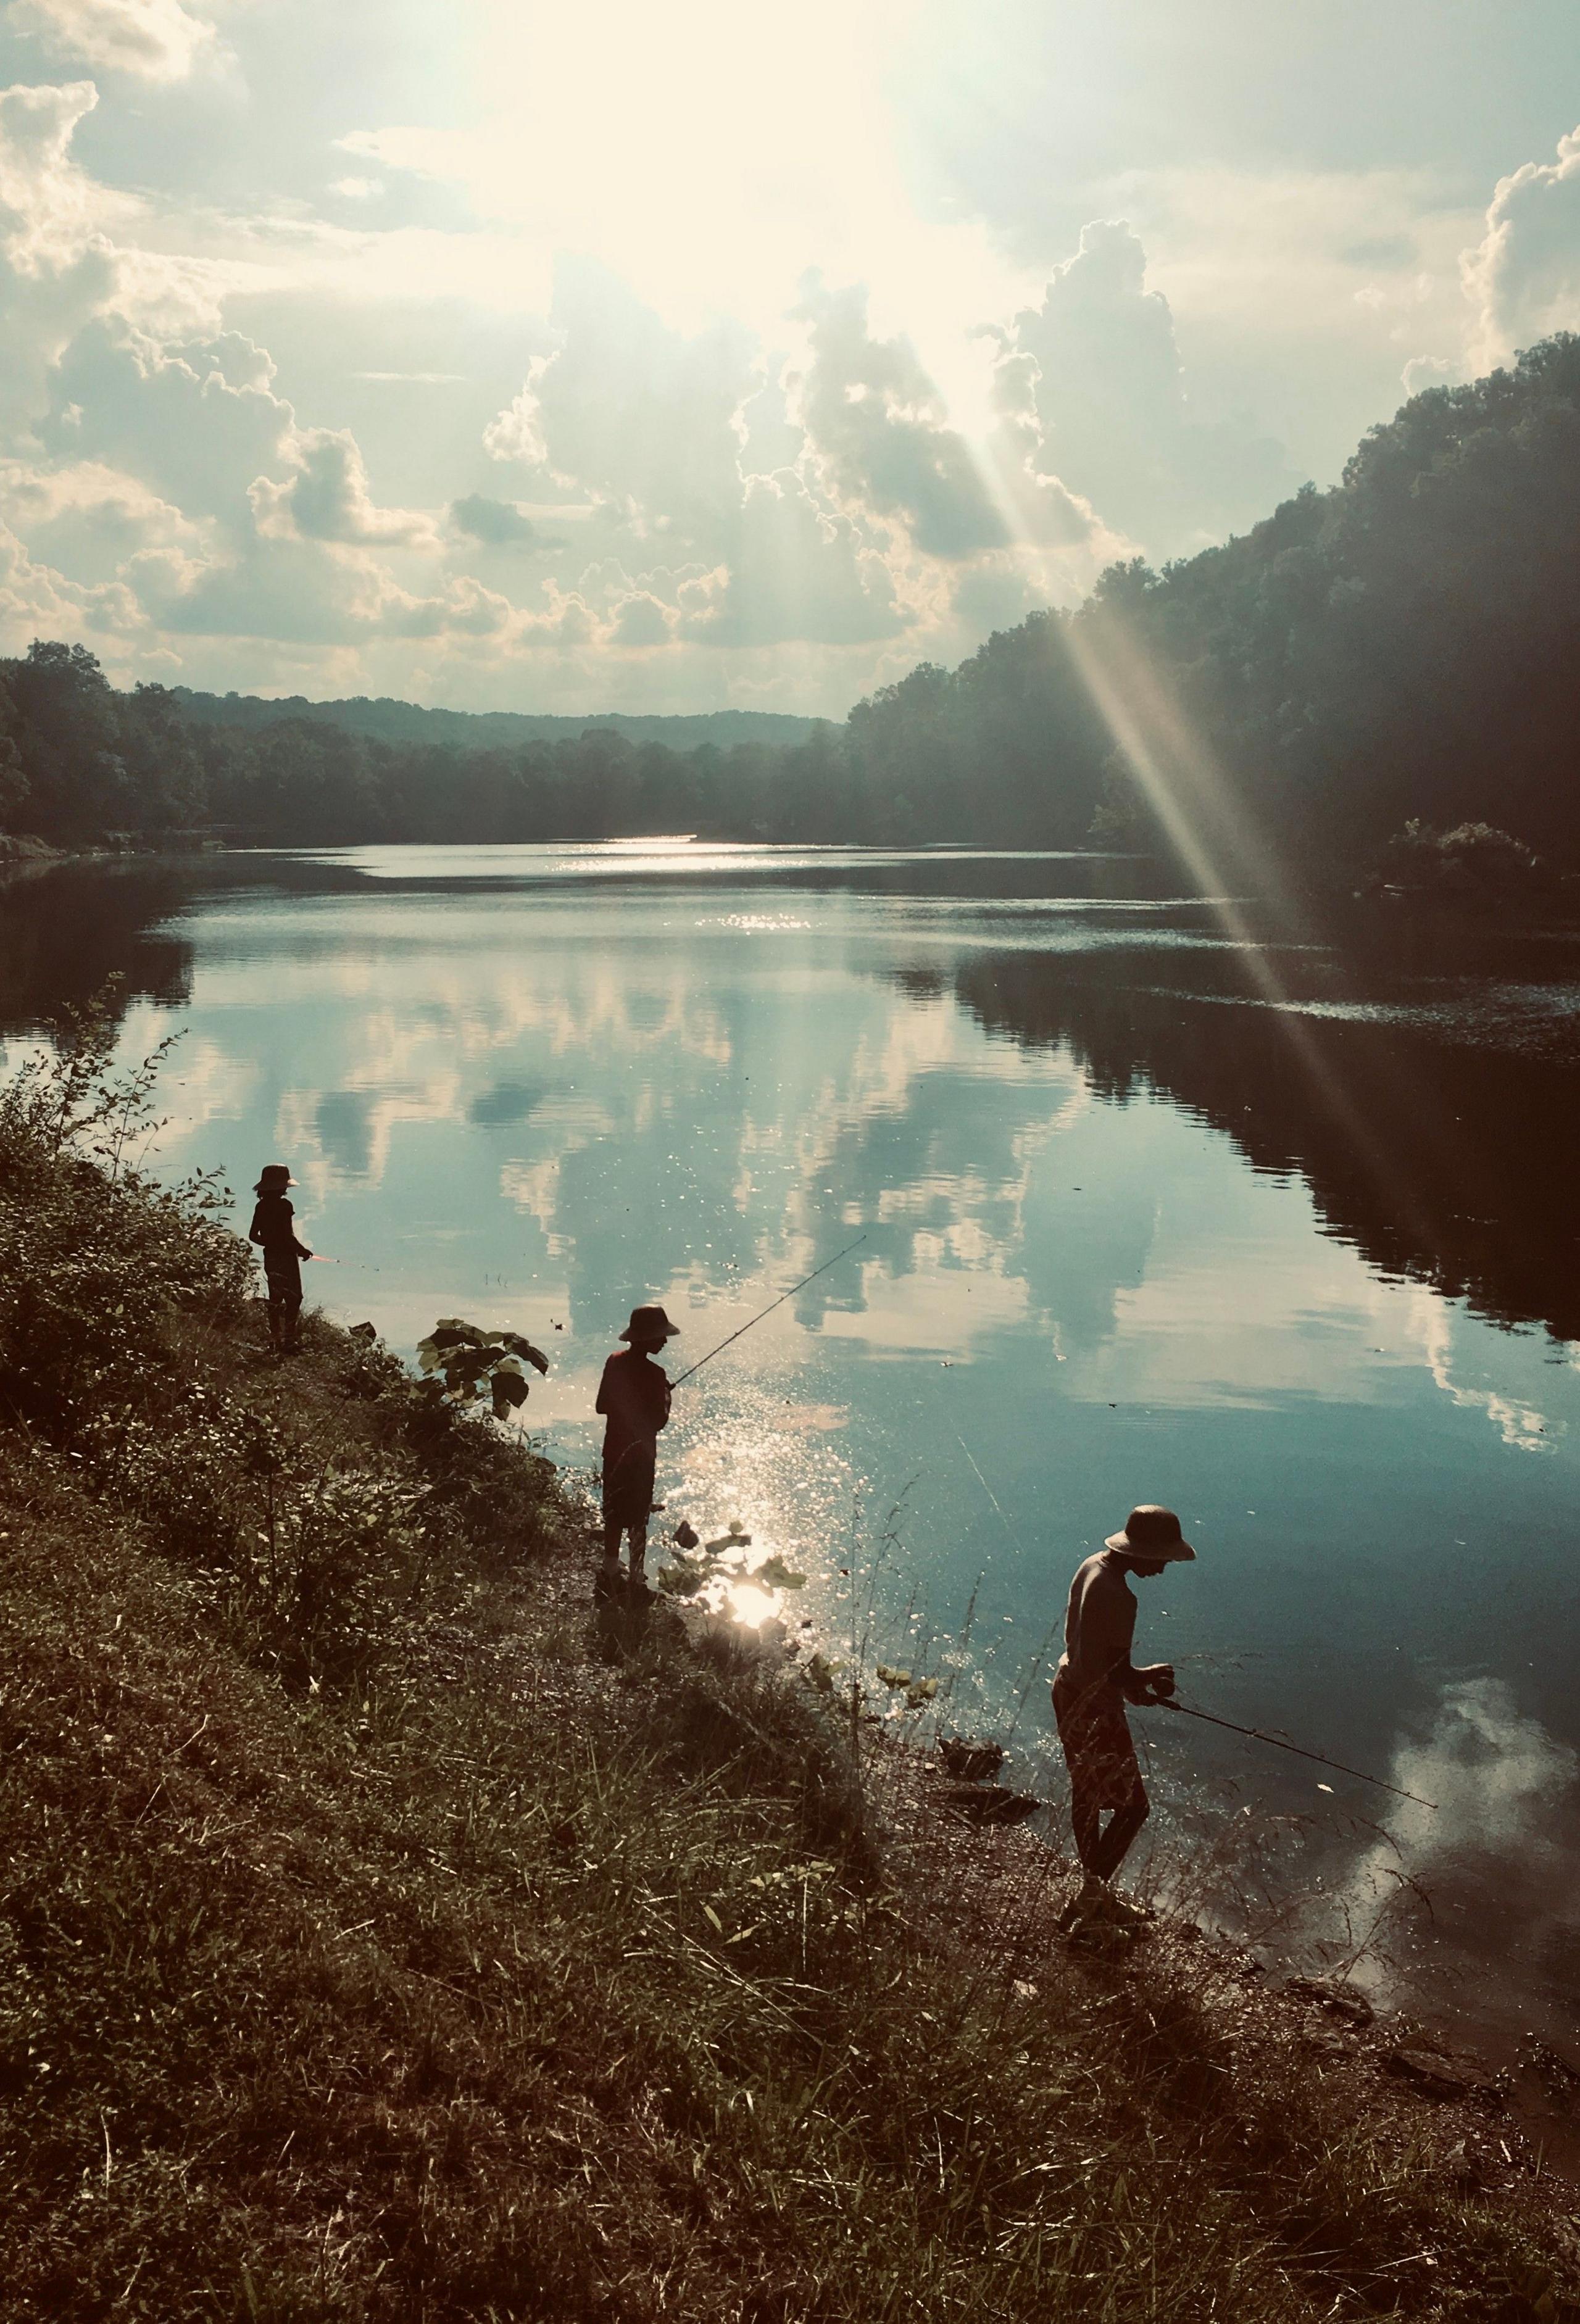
[1402, 646]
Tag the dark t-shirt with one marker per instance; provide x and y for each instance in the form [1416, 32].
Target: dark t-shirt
[274, 1226]
[633, 1396]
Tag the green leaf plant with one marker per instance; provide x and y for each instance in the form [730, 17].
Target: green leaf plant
[464, 1364]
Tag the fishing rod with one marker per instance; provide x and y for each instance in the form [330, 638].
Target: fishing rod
[1259, 1735]
[772, 1304]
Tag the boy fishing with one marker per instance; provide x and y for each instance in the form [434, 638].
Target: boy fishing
[1095, 1680]
[274, 1228]
[633, 1396]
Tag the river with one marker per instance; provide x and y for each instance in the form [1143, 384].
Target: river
[1155, 1204]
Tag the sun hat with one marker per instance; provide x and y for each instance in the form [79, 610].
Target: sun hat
[650, 1324]
[1151, 1532]
[272, 1178]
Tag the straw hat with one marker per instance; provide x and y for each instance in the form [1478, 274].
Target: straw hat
[650, 1324]
[1152, 1532]
[274, 1179]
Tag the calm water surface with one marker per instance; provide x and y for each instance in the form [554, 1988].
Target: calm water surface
[1282, 1233]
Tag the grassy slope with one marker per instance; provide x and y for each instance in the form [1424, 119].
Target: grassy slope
[376, 1942]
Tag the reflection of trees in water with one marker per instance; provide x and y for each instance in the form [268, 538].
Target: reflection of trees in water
[1450, 1162]
[63, 931]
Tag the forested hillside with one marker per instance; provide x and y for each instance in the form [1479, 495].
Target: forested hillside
[1405, 645]
[389, 721]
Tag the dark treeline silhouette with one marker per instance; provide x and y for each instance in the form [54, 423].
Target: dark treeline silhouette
[386, 720]
[1412, 1141]
[1401, 646]
[80, 761]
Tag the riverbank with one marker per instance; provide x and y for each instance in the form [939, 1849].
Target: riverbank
[389, 1934]
[20, 851]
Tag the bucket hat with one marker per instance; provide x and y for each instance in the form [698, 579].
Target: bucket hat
[1153, 1533]
[274, 1178]
[650, 1324]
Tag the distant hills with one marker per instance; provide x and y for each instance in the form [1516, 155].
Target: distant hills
[389, 721]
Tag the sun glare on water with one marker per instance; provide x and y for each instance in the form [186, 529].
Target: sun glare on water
[749, 1605]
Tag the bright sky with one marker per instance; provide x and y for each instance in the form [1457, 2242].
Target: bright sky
[508, 355]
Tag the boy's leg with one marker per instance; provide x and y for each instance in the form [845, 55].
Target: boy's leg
[1086, 1821]
[1101, 1850]
[1115, 1844]
[276, 1312]
[292, 1321]
[613, 1529]
[637, 1535]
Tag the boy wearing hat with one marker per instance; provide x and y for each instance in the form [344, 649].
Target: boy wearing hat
[633, 1396]
[273, 1227]
[1094, 1680]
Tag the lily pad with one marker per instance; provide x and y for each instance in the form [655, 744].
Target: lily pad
[773, 1573]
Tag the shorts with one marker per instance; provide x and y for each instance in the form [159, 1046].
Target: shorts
[1097, 1748]
[628, 1485]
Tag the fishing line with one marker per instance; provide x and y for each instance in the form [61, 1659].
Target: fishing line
[992, 1496]
[772, 1304]
[1259, 1735]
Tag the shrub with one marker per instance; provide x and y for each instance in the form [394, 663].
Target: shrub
[1475, 861]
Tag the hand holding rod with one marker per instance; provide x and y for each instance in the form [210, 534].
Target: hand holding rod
[1278, 1743]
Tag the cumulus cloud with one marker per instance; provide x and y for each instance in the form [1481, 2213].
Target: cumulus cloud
[807, 514]
[56, 268]
[1046, 512]
[652, 426]
[35, 599]
[47, 205]
[327, 496]
[300, 591]
[497, 524]
[794, 571]
[1102, 377]
[1523, 277]
[1423, 372]
[629, 409]
[151, 40]
[877, 425]
[59, 262]
[88, 519]
[198, 422]
[516, 433]
[641, 620]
